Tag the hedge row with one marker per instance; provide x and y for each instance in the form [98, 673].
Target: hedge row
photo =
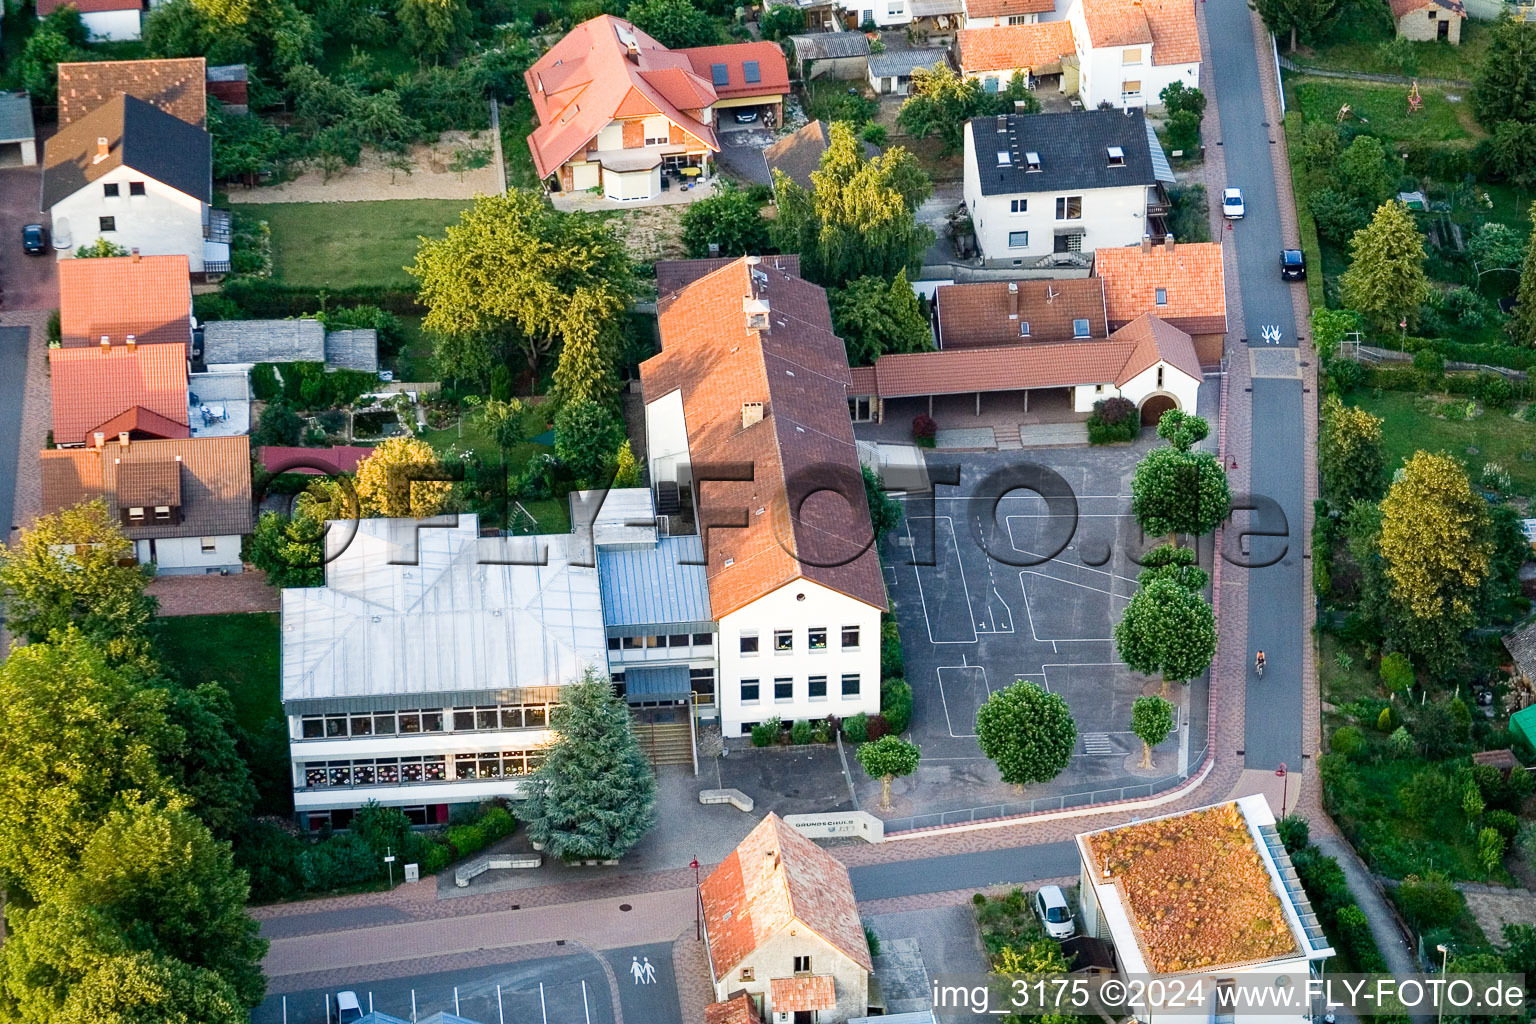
[1305, 222]
[260, 299]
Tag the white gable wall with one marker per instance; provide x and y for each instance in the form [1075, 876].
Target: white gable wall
[1104, 71]
[1175, 382]
[105, 26]
[162, 222]
[775, 958]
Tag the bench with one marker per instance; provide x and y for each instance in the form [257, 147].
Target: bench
[735, 797]
[494, 862]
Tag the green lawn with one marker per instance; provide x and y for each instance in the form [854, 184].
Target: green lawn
[1355, 46]
[1385, 109]
[239, 652]
[552, 515]
[1493, 436]
[347, 245]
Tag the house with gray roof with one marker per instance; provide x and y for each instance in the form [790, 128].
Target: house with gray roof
[18, 139]
[840, 55]
[890, 72]
[241, 344]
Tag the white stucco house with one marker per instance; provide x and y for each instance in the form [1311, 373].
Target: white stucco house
[132, 174]
[750, 373]
[1047, 189]
[1130, 50]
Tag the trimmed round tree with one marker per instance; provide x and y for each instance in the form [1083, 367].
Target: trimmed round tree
[1027, 732]
[594, 796]
[1151, 721]
[1166, 562]
[887, 758]
[1179, 491]
[1167, 629]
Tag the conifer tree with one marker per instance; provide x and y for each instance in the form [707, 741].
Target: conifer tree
[1385, 280]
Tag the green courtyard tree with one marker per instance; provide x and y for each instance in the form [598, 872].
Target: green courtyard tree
[58, 38]
[433, 27]
[504, 419]
[1151, 721]
[1522, 324]
[884, 510]
[1177, 489]
[585, 371]
[98, 249]
[939, 103]
[889, 757]
[594, 796]
[874, 317]
[1170, 562]
[1385, 280]
[1027, 732]
[587, 436]
[504, 281]
[1167, 630]
[404, 478]
[861, 216]
[1505, 81]
[675, 24]
[1362, 172]
[730, 219]
[1349, 454]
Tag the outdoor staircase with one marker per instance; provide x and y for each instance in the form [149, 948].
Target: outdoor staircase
[1007, 437]
[665, 742]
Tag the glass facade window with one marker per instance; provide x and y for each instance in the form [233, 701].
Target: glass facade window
[703, 639]
[817, 687]
[362, 725]
[850, 686]
[783, 690]
[313, 727]
[850, 638]
[677, 640]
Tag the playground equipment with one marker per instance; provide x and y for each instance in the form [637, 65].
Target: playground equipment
[1415, 101]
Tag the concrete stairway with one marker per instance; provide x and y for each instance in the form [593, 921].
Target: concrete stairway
[1007, 437]
[665, 742]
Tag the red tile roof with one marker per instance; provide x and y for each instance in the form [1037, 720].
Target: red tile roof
[142, 422]
[178, 86]
[774, 880]
[672, 275]
[1114, 360]
[1190, 273]
[1168, 25]
[92, 387]
[339, 459]
[987, 313]
[1006, 8]
[740, 1010]
[797, 370]
[1014, 47]
[585, 80]
[1402, 7]
[773, 72]
[788, 995]
[149, 297]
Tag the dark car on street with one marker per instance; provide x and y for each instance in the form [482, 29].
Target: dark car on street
[1293, 265]
[34, 239]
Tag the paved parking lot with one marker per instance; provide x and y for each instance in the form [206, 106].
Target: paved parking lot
[29, 281]
[1022, 585]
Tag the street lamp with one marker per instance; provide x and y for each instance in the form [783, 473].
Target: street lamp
[698, 927]
[1445, 956]
[1285, 786]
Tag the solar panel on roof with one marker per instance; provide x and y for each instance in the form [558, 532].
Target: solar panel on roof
[751, 70]
[720, 73]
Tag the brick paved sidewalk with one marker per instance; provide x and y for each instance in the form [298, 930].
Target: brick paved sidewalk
[214, 595]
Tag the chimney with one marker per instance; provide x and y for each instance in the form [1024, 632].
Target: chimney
[1013, 300]
[634, 51]
[106, 344]
[103, 149]
[751, 412]
[122, 439]
[130, 343]
[1168, 244]
[134, 255]
[1002, 124]
[1146, 243]
[757, 313]
[101, 439]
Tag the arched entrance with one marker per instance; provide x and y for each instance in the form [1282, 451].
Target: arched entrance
[1155, 405]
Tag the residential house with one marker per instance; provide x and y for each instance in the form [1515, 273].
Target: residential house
[799, 153]
[1036, 51]
[1240, 916]
[750, 372]
[861, 15]
[1182, 283]
[1428, 20]
[984, 314]
[890, 73]
[1129, 51]
[115, 297]
[819, 15]
[104, 20]
[422, 673]
[615, 108]
[840, 55]
[1045, 190]
[781, 926]
[132, 174]
[1148, 362]
[137, 390]
[177, 86]
[1001, 13]
[674, 275]
[241, 344]
[18, 137]
[185, 503]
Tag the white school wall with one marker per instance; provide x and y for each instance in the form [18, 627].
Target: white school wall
[162, 222]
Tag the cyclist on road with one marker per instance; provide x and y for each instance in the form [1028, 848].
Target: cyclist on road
[1258, 663]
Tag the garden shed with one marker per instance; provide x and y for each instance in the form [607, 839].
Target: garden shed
[841, 55]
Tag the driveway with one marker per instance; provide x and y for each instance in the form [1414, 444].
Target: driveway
[30, 282]
[741, 154]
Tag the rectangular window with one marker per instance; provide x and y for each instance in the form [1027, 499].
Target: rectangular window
[1069, 243]
[339, 773]
[410, 721]
[362, 772]
[463, 719]
[384, 724]
[162, 513]
[783, 641]
[720, 74]
[1023, 328]
[677, 640]
[1130, 90]
[661, 141]
[816, 687]
[633, 643]
[1018, 239]
[802, 965]
[432, 721]
[749, 643]
[312, 727]
[751, 71]
[210, 544]
[1162, 296]
[389, 771]
[362, 725]
[135, 188]
[109, 191]
[136, 515]
[1080, 328]
[1069, 207]
[464, 766]
[535, 716]
[435, 769]
[748, 974]
[613, 643]
[485, 718]
[783, 690]
[1018, 206]
[816, 638]
[108, 223]
[702, 682]
[1131, 55]
[314, 774]
[749, 691]
[410, 769]
[702, 640]
[850, 638]
[335, 726]
[1023, 19]
[851, 685]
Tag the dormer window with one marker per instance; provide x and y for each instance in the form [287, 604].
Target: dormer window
[162, 513]
[1031, 161]
[1116, 156]
[1080, 328]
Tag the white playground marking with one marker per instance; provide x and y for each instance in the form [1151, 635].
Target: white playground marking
[945, 699]
[970, 612]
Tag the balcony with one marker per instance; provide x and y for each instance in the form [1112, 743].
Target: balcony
[220, 226]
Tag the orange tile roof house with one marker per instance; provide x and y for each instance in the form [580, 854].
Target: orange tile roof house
[737, 1010]
[998, 13]
[1181, 282]
[177, 86]
[994, 55]
[1428, 20]
[1130, 50]
[781, 925]
[141, 389]
[615, 107]
[184, 503]
[149, 297]
[751, 373]
[988, 313]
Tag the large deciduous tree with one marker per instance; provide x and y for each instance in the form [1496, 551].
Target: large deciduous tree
[1349, 455]
[1435, 540]
[889, 757]
[404, 478]
[861, 217]
[506, 278]
[730, 219]
[204, 762]
[676, 24]
[1027, 732]
[939, 103]
[1170, 562]
[594, 796]
[874, 316]
[1385, 280]
[1177, 489]
[433, 27]
[1151, 721]
[1167, 630]
[587, 438]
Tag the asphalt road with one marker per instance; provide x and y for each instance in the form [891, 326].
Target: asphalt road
[13, 385]
[647, 987]
[1273, 719]
[964, 871]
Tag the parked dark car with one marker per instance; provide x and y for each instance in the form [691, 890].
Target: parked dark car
[747, 116]
[34, 239]
[1293, 265]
